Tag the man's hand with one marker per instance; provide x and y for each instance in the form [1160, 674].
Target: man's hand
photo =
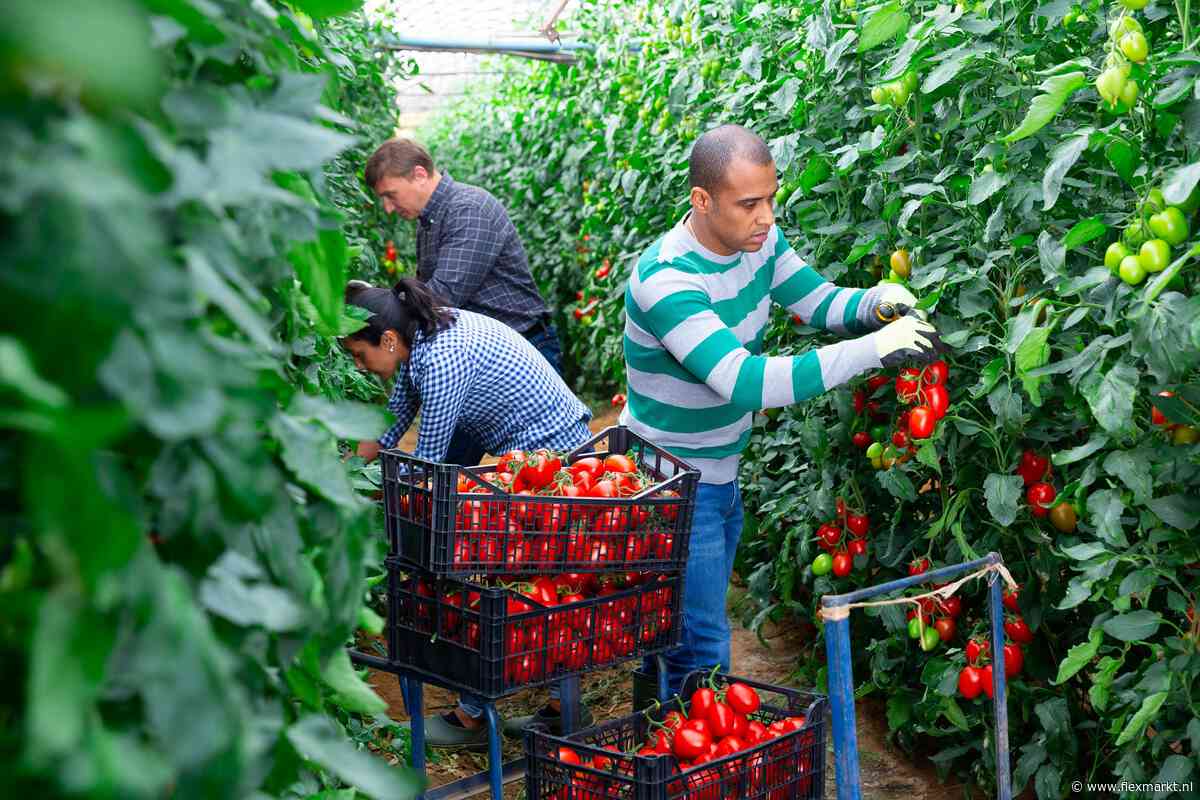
[368, 450]
[885, 303]
[907, 339]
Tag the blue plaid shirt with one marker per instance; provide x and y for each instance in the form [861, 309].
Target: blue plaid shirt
[469, 253]
[481, 375]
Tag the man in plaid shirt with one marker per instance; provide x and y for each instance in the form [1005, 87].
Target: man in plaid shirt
[468, 253]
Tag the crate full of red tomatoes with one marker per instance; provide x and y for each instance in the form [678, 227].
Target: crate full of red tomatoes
[726, 737]
[494, 635]
[616, 503]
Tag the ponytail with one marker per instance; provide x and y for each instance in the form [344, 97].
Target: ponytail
[406, 308]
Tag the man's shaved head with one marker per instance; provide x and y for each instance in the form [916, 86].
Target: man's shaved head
[714, 151]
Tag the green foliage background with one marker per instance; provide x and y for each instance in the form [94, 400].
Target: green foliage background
[1006, 179]
[185, 553]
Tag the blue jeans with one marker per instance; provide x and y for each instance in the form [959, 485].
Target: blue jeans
[716, 530]
[464, 448]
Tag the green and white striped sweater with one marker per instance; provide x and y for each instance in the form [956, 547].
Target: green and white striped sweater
[694, 331]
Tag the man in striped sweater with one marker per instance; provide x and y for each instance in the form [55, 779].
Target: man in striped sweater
[697, 307]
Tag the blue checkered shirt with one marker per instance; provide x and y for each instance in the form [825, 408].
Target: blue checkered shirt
[481, 375]
[469, 253]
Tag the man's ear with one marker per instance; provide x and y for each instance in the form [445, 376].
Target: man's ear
[419, 173]
[389, 340]
[701, 200]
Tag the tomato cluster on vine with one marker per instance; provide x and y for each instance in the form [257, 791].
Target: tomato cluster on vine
[843, 539]
[926, 393]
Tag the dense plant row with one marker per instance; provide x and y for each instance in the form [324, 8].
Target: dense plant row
[1004, 147]
[185, 551]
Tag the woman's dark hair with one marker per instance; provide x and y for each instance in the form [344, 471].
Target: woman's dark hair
[406, 308]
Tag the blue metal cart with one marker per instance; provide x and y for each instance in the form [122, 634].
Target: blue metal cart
[836, 613]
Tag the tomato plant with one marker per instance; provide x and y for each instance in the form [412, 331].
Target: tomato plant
[974, 138]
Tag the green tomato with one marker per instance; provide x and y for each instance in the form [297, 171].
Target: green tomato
[1134, 5]
[1134, 46]
[1132, 271]
[1109, 85]
[1113, 255]
[879, 96]
[930, 639]
[899, 91]
[822, 564]
[1170, 224]
[880, 433]
[1129, 95]
[910, 81]
[1122, 26]
[1135, 233]
[1155, 202]
[914, 628]
[875, 450]
[877, 462]
[1155, 255]
[1069, 18]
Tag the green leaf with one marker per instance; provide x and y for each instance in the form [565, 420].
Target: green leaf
[343, 418]
[18, 373]
[1097, 442]
[1105, 507]
[1111, 396]
[327, 8]
[1062, 159]
[899, 710]
[349, 691]
[1033, 353]
[235, 588]
[1133, 468]
[954, 714]
[1055, 92]
[1079, 656]
[1180, 182]
[321, 266]
[1175, 770]
[1138, 722]
[1124, 158]
[1003, 492]
[885, 24]
[1083, 232]
[317, 739]
[986, 184]
[308, 451]
[897, 484]
[68, 657]
[1135, 626]
[1102, 680]
[1178, 511]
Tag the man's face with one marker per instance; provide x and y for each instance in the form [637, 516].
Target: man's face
[404, 196]
[741, 210]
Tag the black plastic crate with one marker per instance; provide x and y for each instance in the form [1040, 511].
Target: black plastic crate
[436, 524]
[480, 639]
[789, 767]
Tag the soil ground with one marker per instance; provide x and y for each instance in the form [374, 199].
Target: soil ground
[885, 772]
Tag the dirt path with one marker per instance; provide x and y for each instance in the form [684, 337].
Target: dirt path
[886, 773]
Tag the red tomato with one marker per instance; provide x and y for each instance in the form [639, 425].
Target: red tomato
[690, 743]
[951, 606]
[1018, 630]
[842, 564]
[938, 400]
[858, 524]
[988, 688]
[976, 647]
[936, 374]
[1040, 496]
[742, 698]
[918, 566]
[906, 385]
[970, 682]
[875, 381]
[568, 756]
[857, 547]
[946, 628]
[1011, 598]
[703, 700]
[720, 717]
[921, 421]
[900, 438]
[1014, 660]
[619, 463]
[1156, 416]
[860, 401]
[861, 440]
